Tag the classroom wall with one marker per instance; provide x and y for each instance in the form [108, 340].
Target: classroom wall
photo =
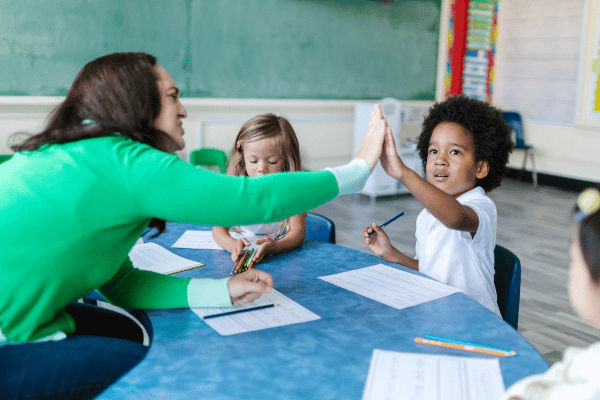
[325, 128]
[538, 74]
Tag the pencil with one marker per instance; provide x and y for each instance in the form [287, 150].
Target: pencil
[388, 222]
[185, 269]
[243, 310]
[466, 347]
[240, 262]
[442, 339]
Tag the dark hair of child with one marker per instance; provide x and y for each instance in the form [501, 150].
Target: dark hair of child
[491, 135]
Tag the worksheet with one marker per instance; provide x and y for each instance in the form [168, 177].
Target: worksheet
[153, 257]
[197, 240]
[394, 375]
[285, 311]
[390, 286]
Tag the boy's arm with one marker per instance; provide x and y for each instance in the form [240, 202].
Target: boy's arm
[441, 205]
[381, 245]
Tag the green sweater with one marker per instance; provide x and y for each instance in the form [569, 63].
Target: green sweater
[71, 213]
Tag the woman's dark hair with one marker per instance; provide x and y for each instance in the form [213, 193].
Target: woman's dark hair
[119, 93]
[589, 238]
[484, 122]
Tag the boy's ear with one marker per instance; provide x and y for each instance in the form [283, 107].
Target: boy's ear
[483, 168]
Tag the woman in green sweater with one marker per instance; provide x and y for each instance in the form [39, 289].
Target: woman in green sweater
[76, 197]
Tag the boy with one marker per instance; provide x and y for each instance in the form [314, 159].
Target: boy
[464, 145]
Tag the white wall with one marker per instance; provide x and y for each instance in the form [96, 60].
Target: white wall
[538, 74]
[325, 128]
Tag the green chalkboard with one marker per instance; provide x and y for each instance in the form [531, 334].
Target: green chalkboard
[291, 49]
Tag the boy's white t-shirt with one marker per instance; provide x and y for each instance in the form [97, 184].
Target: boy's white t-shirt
[454, 257]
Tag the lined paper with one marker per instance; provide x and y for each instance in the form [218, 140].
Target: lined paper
[391, 286]
[287, 312]
[395, 375]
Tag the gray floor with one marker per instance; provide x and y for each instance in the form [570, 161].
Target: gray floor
[534, 224]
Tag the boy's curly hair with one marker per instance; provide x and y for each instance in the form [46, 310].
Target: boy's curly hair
[491, 135]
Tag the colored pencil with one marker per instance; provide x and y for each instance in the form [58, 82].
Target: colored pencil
[442, 339]
[243, 310]
[388, 222]
[185, 269]
[465, 347]
[239, 262]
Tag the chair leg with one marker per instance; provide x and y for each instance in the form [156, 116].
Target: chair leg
[533, 171]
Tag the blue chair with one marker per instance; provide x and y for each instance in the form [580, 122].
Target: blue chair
[203, 157]
[507, 279]
[319, 228]
[513, 119]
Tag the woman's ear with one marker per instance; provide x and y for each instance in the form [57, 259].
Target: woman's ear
[483, 169]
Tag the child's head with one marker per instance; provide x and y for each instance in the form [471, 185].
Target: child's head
[464, 143]
[265, 144]
[584, 270]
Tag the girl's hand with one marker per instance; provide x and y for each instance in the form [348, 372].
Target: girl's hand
[371, 146]
[238, 247]
[390, 160]
[379, 241]
[266, 248]
[249, 285]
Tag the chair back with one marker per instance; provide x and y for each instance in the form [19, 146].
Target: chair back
[5, 157]
[319, 228]
[207, 156]
[507, 279]
[514, 121]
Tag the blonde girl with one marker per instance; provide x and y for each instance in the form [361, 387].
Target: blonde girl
[265, 144]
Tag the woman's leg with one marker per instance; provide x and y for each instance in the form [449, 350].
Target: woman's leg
[78, 367]
[107, 343]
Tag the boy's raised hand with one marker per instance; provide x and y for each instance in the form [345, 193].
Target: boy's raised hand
[249, 285]
[371, 147]
[379, 241]
[390, 160]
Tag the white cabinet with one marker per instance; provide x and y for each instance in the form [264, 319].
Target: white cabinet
[380, 183]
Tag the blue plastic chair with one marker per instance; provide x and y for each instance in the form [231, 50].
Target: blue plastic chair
[507, 279]
[513, 119]
[205, 157]
[319, 228]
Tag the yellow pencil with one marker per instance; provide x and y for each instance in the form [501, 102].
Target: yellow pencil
[185, 269]
[465, 347]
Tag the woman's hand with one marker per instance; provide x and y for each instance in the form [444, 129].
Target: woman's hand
[371, 146]
[249, 285]
[379, 241]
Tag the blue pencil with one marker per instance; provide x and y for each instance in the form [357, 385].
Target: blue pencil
[388, 222]
[243, 310]
[464, 343]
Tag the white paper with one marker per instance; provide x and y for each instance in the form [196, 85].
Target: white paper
[394, 375]
[391, 286]
[197, 240]
[153, 257]
[287, 312]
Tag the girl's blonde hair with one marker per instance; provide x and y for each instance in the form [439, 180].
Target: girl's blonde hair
[278, 129]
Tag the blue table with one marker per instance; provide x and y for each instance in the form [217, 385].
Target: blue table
[324, 359]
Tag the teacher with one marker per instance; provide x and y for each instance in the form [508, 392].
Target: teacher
[76, 197]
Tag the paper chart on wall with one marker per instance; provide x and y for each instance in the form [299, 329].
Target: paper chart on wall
[390, 286]
[286, 312]
[396, 375]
